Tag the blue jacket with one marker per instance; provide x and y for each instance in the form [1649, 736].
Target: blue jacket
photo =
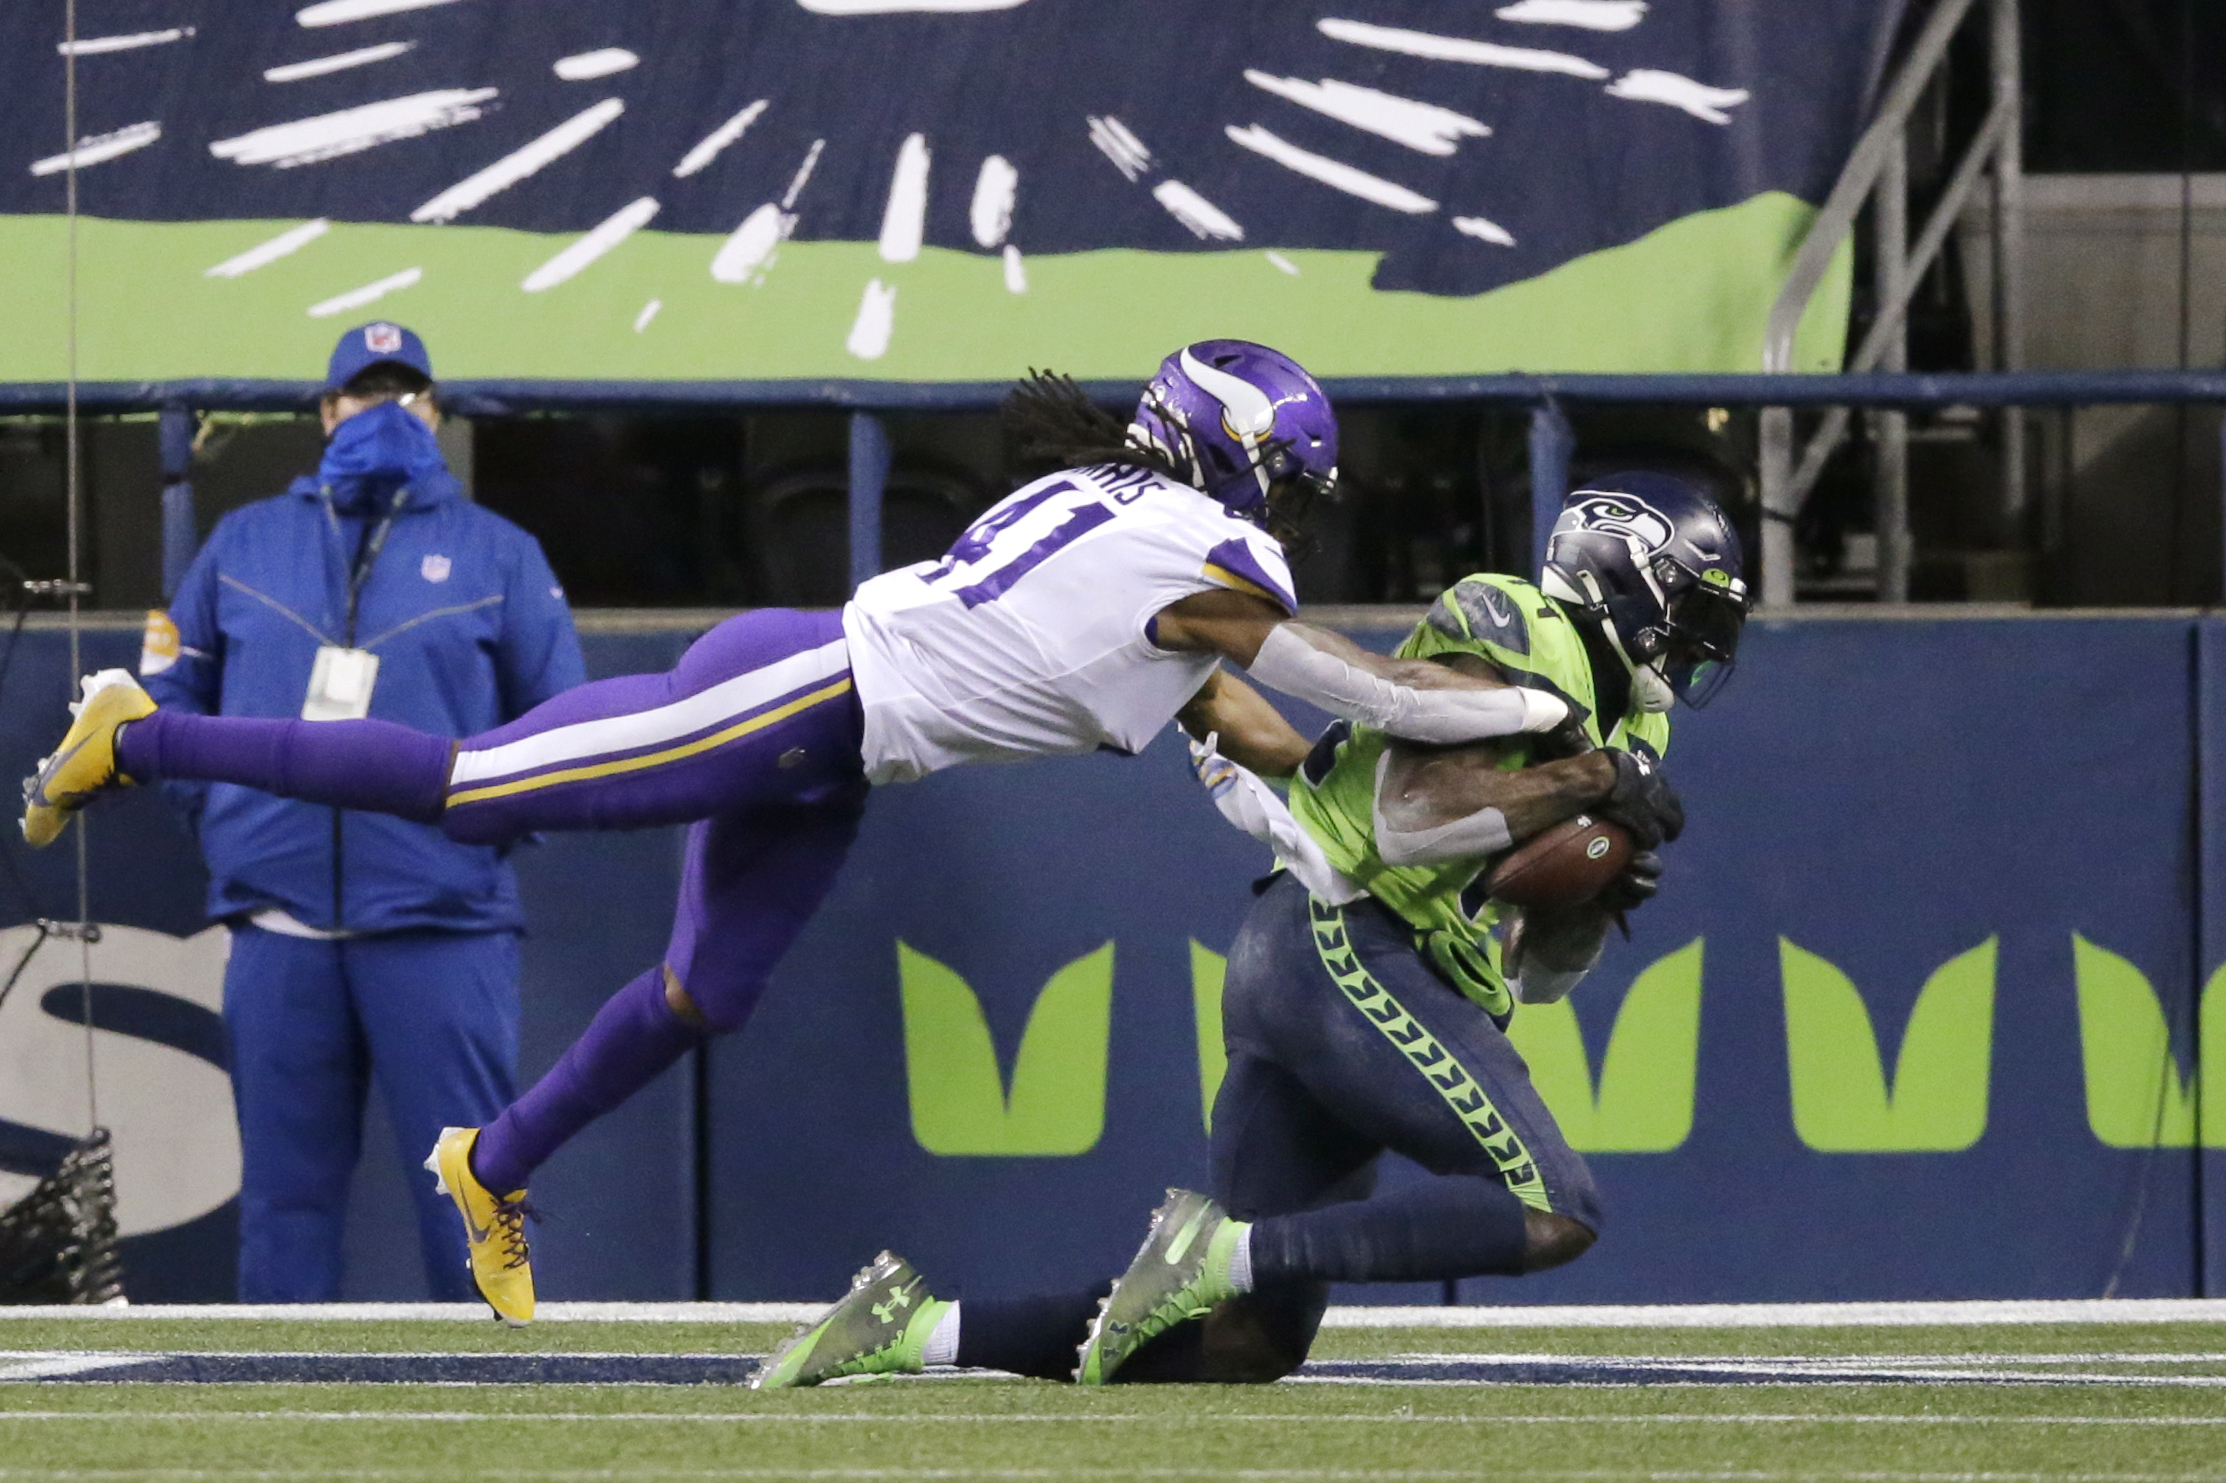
[471, 631]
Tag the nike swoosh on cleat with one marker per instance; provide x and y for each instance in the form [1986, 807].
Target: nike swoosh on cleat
[54, 765]
[1184, 1237]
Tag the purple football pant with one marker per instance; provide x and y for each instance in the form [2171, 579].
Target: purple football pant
[752, 739]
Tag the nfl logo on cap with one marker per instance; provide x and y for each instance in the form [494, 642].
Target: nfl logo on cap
[382, 339]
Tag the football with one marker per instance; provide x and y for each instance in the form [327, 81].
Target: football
[1566, 865]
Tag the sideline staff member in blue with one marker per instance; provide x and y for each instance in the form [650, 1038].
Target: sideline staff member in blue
[362, 946]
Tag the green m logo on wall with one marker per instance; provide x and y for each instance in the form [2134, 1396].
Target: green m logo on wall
[1641, 1097]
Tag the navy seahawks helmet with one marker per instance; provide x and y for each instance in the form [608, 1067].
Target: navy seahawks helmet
[1656, 561]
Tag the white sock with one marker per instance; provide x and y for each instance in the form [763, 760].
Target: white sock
[942, 1344]
[1240, 1262]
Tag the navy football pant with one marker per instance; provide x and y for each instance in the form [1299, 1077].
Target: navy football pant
[432, 1017]
[1343, 1042]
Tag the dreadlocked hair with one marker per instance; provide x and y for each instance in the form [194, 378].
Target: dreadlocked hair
[1055, 424]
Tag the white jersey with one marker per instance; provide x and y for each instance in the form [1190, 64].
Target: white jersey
[1033, 638]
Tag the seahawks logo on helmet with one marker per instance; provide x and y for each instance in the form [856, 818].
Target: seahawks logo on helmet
[1617, 514]
[1653, 559]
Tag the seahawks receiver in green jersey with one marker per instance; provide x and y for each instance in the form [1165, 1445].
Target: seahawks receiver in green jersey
[1368, 993]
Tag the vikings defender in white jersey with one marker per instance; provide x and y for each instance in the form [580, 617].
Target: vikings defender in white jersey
[1082, 612]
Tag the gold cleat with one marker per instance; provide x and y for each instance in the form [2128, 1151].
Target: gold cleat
[494, 1226]
[85, 763]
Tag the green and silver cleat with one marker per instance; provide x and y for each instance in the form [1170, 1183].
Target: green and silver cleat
[880, 1327]
[1181, 1272]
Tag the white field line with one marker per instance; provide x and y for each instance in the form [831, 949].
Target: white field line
[356, 298]
[1333, 173]
[600, 239]
[1283, 264]
[649, 312]
[362, 56]
[341, 12]
[100, 147]
[718, 139]
[1016, 271]
[2010, 1313]
[96, 46]
[263, 254]
[506, 172]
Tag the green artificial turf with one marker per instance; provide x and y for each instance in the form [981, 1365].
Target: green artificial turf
[987, 1428]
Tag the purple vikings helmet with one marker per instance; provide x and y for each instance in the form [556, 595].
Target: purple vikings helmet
[1240, 418]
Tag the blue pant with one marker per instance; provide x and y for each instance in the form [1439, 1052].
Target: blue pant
[433, 1016]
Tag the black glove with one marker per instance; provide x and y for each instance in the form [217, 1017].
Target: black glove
[1642, 801]
[1636, 886]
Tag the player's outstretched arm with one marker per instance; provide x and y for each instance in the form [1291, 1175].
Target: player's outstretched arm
[1406, 697]
[1253, 733]
[1435, 804]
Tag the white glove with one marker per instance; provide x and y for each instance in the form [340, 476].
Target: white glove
[1253, 807]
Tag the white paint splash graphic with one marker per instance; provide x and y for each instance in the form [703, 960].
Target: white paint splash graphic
[1194, 211]
[341, 12]
[352, 130]
[1483, 231]
[1283, 264]
[1589, 15]
[1116, 143]
[362, 56]
[96, 148]
[649, 312]
[588, 65]
[995, 189]
[519, 163]
[904, 219]
[1333, 173]
[1460, 49]
[708, 148]
[1419, 126]
[100, 46]
[749, 251]
[598, 240]
[263, 254]
[370, 293]
[1016, 272]
[803, 175]
[900, 7]
[1696, 98]
[876, 321]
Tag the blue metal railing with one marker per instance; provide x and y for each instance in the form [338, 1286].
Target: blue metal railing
[1546, 396]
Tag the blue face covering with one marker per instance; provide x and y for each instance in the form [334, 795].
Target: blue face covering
[376, 452]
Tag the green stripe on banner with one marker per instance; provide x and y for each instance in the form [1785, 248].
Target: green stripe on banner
[1690, 296]
[1462, 1092]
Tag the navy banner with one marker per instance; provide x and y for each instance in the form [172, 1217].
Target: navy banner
[925, 189]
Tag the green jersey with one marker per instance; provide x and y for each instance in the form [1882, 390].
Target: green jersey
[1532, 642]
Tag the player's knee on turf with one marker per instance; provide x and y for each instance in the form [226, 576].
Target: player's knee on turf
[1553, 1240]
